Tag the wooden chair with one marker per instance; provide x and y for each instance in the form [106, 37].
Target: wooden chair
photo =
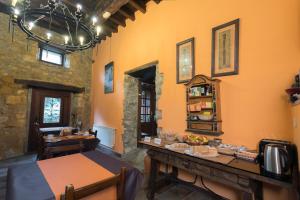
[75, 130]
[118, 180]
[91, 132]
[50, 152]
[40, 141]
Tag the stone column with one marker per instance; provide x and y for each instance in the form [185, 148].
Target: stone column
[130, 110]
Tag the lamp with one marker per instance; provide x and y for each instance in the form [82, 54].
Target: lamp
[57, 21]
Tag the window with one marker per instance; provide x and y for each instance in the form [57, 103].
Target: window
[145, 106]
[51, 57]
[52, 110]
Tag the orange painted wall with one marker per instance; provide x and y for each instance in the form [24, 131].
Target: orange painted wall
[254, 103]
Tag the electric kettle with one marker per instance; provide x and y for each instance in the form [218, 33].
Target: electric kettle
[276, 159]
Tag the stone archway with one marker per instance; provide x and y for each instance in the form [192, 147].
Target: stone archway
[130, 107]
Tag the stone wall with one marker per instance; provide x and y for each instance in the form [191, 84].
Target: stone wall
[131, 91]
[159, 80]
[130, 110]
[18, 61]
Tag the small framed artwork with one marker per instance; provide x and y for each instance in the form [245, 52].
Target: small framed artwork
[225, 49]
[185, 60]
[109, 78]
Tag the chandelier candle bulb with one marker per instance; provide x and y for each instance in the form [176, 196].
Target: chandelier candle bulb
[49, 35]
[81, 39]
[98, 30]
[94, 20]
[30, 25]
[16, 11]
[66, 39]
[79, 7]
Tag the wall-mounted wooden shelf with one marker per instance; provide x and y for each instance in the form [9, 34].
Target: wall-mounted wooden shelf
[205, 132]
[205, 96]
[292, 91]
[203, 121]
[201, 110]
[203, 100]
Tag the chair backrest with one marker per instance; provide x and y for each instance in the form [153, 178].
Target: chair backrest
[40, 139]
[75, 130]
[91, 132]
[63, 149]
[119, 180]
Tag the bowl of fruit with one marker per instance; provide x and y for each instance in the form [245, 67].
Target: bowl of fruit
[195, 140]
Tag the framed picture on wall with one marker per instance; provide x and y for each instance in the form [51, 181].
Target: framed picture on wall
[185, 60]
[225, 49]
[109, 78]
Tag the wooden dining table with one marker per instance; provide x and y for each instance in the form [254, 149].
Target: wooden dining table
[46, 179]
[56, 130]
[74, 137]
[88, 142]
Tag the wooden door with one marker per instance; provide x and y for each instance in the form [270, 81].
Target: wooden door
[49, 108]
[147, 106]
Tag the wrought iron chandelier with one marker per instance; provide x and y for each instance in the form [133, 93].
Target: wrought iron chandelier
[55, 25]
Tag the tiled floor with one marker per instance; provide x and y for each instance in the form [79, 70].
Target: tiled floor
[172, 192]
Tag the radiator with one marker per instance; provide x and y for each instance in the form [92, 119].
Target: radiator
[106, 135]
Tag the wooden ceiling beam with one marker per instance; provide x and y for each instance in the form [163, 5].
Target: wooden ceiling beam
[98, 4]
[104, 36]
[112, 24]
[85, 9]
[107, 34]
[138, 5]
[102, 5]
[110, 27]
[127, 14]
[117, 21]
[107, 30]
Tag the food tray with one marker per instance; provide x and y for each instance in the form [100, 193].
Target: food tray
[202, 151]
[178, 147]
[246, 155]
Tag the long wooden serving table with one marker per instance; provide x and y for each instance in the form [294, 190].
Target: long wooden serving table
[242, 175]
[46, 179]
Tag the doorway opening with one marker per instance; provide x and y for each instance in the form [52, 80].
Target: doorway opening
[142, 90]
[146, 120]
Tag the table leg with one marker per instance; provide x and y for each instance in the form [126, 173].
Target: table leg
[246, 196]
[257, 188]
[153, 175]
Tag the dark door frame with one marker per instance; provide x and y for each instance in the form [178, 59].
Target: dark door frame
[36, 114]
[148, 65]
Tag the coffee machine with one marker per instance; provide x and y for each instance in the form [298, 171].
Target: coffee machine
[277, 158]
